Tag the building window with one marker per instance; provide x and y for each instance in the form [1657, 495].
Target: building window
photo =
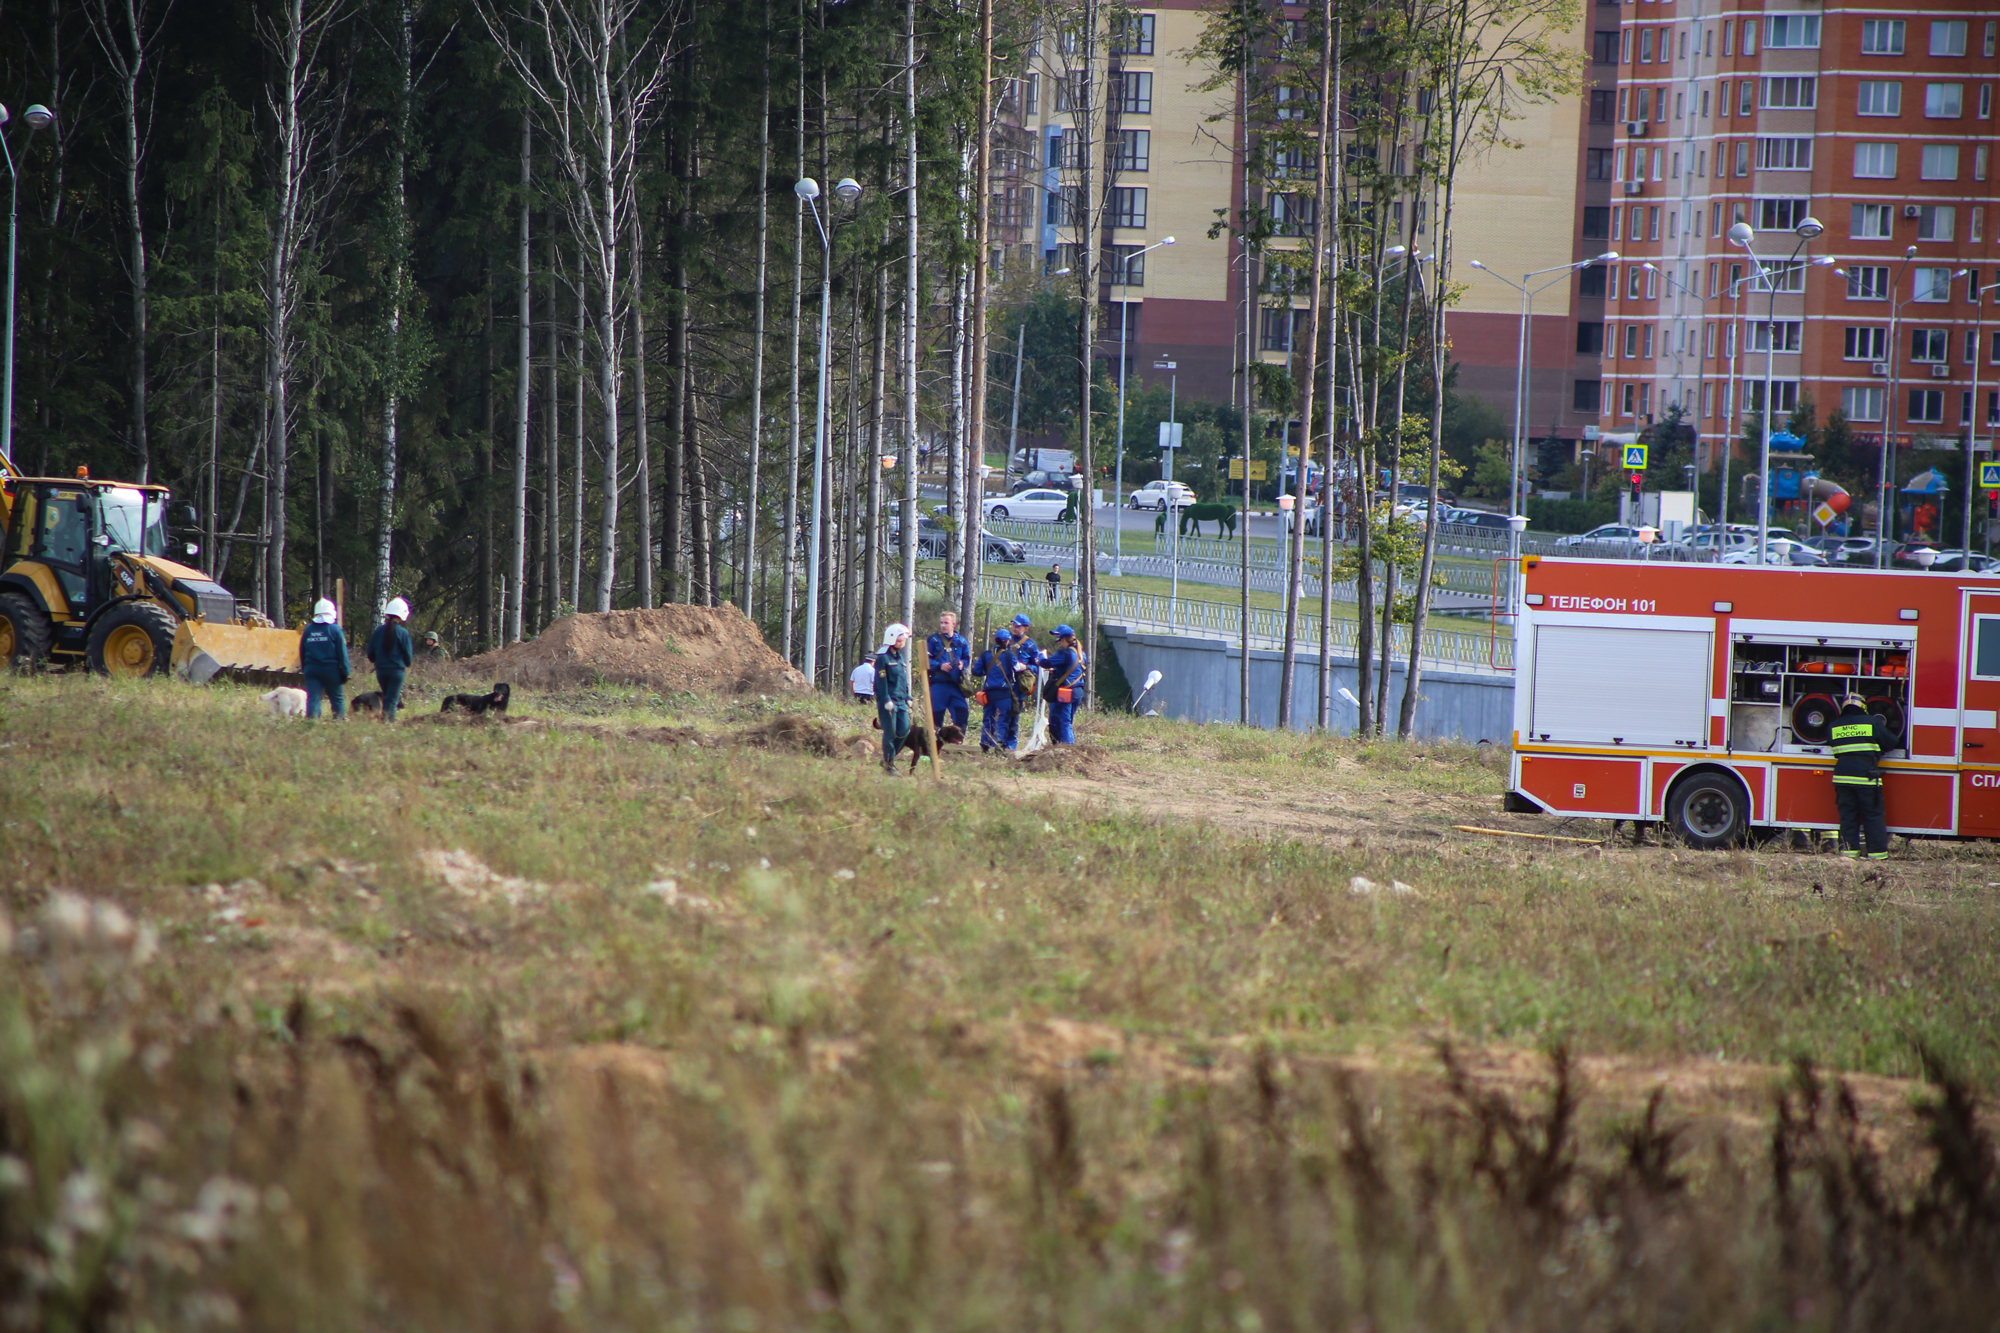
[1867, 282]
[1704, 104]
[1133, 36]
[1602, 105]
[1780, 214]
[1653, 226]
[1033, 88]
[1743, 157]
[1278, 330]
[1590, 338]
[1633, 277]
[1745, 91]
[1728, 33]
[1985, 101]
[1861, 402]
[1072, 94]
[1708, 400]
[1948, 37]
[1128, 206]
[1648, 350]
[1645, 46]
[1789, 93]
[1596, 224]
[1604, 48]
[1986, 45]
[1785, 154]
[1783, 332]
[1134, 151]
[1875, 161]
[1597, 164]
[1722, 98]
[1591, 281]
[1929, 345]
[1135, 93]
[1631, 341]
[1934, 222]
[1587, 396]
[1297, 161]
[1880, 97]
[1978, 174]
[1932, 284]
[1940, 162]
[1784, 395]
[1124, 265]
[1708, 340]
[1944, 101]
[1297, 103]
[1864, 343]
[1926, 406]
[1749, 37]
[1790, 30]
[1881, 37]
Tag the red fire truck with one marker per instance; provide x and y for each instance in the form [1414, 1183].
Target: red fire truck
[1703, 695]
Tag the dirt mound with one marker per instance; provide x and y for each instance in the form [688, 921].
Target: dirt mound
[668, 648]
[791, 733]
[1082, 760]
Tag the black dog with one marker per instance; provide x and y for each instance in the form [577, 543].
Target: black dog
[495, 703]
[370, 702]
[917, 743]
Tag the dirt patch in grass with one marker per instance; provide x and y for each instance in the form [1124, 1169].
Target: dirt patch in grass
[793, 734]
[1085, 761]
[710, 650]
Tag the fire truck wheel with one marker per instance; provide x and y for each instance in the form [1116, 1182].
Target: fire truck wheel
[1709, 810]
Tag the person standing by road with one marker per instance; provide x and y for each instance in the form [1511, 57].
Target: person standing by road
[892, 692]
[323, 659]
[862, 681]
[1000, 722]
[1054, 579]
[1859, 737]
[1064, 689]
[391, 652]
[950, 657]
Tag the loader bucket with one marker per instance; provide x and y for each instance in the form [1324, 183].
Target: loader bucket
[203, 651]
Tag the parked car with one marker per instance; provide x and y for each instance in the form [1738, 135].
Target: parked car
[1958, 562]
[1711, 544]
[1044, 480]
[1039, 505]
[933, 540]
[1308, 514]
[1777, 551]
[1153, 495]
[1603, 532]
[1478, 518]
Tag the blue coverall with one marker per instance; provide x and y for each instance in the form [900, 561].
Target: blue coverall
[1000, 725]
[1065, 666]
[948, 659]
[323, 660]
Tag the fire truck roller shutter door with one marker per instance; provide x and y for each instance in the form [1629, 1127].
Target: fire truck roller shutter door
[1605, 685]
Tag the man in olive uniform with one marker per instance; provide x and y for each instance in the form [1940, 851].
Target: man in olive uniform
[1859, 737]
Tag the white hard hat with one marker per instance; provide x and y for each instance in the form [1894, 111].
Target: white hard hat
[324, 611]
[398, 608]
[893, 634]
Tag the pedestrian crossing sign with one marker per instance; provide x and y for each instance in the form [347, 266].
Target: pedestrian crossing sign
[1635, 458]
[1989, 476]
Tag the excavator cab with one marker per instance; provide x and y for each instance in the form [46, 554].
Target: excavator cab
[88, 573]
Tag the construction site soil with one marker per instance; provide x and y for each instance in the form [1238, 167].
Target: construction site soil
[711, 650]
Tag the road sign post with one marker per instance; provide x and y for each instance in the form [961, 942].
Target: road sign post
[1635, 458]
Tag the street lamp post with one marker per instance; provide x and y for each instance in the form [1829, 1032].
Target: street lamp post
[38, 117]
[1521, 353]
[808, 189]
[1742, 234]
[1885, 466]
[1974, 418]
[1118, 466]
[1168, 507]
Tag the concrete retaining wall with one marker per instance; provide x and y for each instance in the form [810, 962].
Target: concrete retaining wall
[1200, 681]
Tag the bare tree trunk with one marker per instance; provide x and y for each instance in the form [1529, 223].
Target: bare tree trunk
[399, 243]
[524, 375]
[954, 451]
[1090, 246]
[790, 569]
[909, 518]
[975, 439]
[552, 454]
[121, 28]
[576, 435]
[751, 499]
[871, 577]
[1331, 160]
[642, 481]
[487, 619]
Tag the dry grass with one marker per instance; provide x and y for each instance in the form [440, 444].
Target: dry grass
[589, 1021]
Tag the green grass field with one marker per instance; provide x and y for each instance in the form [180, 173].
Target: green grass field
[676, 1012]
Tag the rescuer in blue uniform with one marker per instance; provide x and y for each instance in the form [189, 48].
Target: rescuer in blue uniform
[1025, 650]
[1859, 737]
[950, 655]
[1000, 723]
[1064, 689]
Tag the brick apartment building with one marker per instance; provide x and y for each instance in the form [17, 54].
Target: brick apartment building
[1876, 122]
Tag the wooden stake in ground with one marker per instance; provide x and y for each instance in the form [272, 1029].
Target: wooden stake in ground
[920, 679]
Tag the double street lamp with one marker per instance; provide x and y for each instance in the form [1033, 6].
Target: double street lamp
[1521, 355]
[1118, 479]
[848, 190]
[38, 117]
[1743, 234]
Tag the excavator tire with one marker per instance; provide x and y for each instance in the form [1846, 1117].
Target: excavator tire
[25, 633]
[133, 640]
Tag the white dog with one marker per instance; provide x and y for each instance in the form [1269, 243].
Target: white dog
[286, 701]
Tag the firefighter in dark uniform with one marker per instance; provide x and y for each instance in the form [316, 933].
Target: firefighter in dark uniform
[1859, 737]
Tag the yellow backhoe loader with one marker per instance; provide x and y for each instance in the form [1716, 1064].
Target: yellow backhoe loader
[86, 575]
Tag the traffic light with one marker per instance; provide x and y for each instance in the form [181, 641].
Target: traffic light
[1638, 480]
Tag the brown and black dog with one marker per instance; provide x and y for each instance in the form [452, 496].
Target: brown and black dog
[917, 743]
[494, 703]
[370, 702]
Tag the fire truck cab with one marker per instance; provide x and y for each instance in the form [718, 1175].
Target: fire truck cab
[1702, 696]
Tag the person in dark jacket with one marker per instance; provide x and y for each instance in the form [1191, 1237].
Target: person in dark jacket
[391, 651]
[1859, 738]
[1064, 663]
[1000, 723]
[892, 692]
[323, 659]
[949, 655]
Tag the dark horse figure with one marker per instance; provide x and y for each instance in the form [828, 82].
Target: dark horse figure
[1222, 515]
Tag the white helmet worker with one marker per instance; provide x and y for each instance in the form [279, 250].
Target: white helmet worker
[324, 611]
[398, 608]
[894, 635]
